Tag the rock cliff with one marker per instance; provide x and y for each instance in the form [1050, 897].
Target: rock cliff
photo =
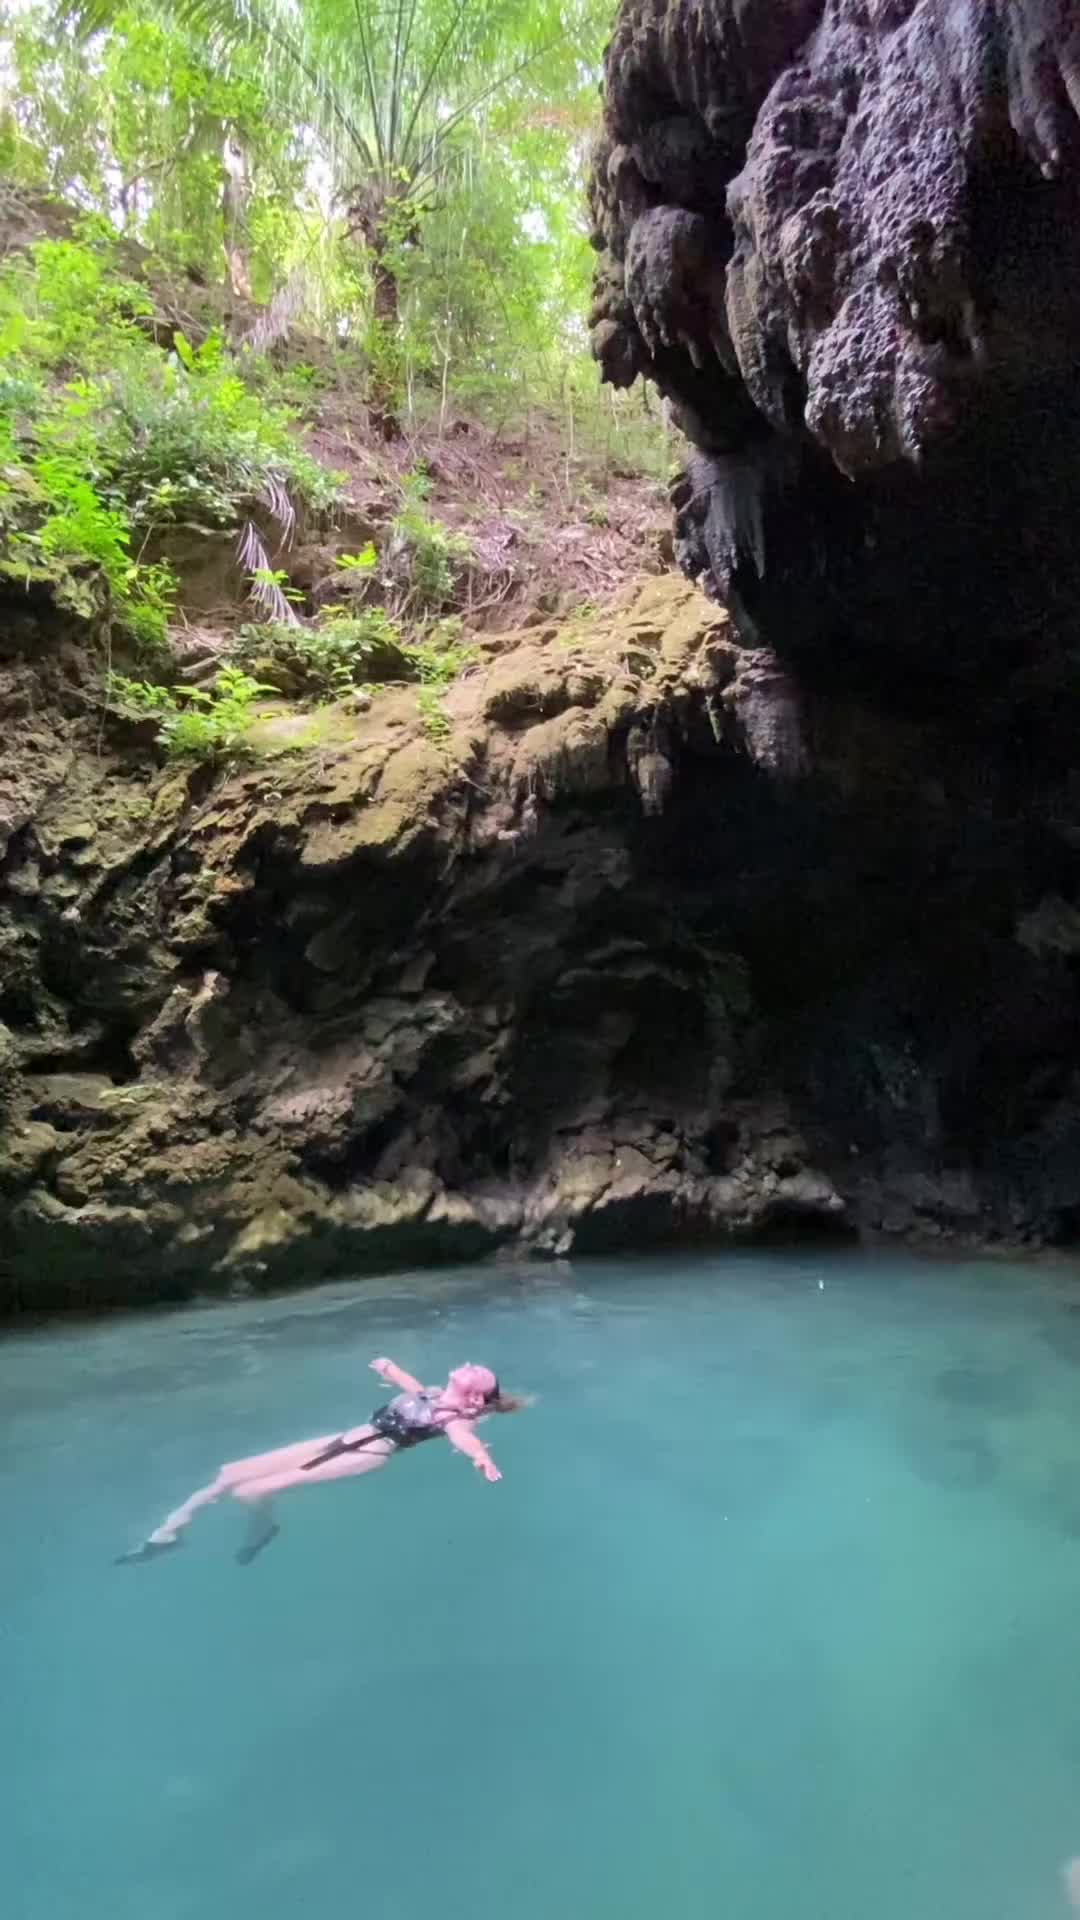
[387, 999]
[843, 238]
[654, 945]
[840, 236]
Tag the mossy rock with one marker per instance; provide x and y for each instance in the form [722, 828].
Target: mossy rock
[9, 1072]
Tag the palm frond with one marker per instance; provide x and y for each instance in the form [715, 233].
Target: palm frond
[273, 323]
[372, 90]
[262, 587]
[428, 159]
[403, 33]
[428, 82]
[382, 90]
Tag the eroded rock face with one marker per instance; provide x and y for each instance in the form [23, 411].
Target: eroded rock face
[389, 1001]
[843, 237]
[660, 945]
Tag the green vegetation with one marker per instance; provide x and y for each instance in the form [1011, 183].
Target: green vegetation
[362, 562]
[104, 437]
[439, 657]
[437, 660]
[404, 180]
[433, 713]
[285, 234]
[424, 558]
[194, 724]
[341, 650]
[201, 443]
[327, 657]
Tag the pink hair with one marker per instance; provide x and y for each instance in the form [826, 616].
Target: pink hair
[474, 1379]
[485, 1384]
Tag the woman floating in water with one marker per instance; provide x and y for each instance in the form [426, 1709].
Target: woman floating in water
[417, 1413]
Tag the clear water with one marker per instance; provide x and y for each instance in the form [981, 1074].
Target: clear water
[776, 1612]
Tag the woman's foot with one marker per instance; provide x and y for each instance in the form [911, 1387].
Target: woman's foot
[148, 1551]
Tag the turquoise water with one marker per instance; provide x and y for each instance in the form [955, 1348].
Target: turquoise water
[775, 1615]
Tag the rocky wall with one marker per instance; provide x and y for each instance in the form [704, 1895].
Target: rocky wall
[657, 947]
[843, 238]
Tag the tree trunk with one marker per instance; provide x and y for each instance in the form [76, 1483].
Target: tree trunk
[386, 295]
[235, 195]
[375, 218]
[383, 400]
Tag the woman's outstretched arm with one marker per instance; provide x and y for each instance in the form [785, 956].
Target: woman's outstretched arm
[395, 1377]
[460, 1435]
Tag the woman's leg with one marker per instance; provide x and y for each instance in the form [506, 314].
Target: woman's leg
[174, 1523]
[256, 1466]
[258, 1494]
[168, 1534]
[261, 1529]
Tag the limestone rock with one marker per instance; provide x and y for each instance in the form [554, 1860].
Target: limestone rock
[689, 950]
[844, 243]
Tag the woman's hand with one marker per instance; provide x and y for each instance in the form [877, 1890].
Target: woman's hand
[382, 1368]
[461, 1436]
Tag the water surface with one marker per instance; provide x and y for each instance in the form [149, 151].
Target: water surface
[775, 1615]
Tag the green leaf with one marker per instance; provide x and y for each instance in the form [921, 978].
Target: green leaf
[12, 334]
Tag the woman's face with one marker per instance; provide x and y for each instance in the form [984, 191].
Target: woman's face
[470, 1385]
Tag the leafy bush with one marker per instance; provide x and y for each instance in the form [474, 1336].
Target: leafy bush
[440, 657]
[437, 660]
[328, 658]
[78, 525]
[69, 306]
[432, 713]
[424, 558]
[341, 650]
[358, 563]
[103, 434]
[200, 724]
[138, 699]
[53, 519]
[199, 442]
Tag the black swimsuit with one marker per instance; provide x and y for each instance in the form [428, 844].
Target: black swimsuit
[406, 1421]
